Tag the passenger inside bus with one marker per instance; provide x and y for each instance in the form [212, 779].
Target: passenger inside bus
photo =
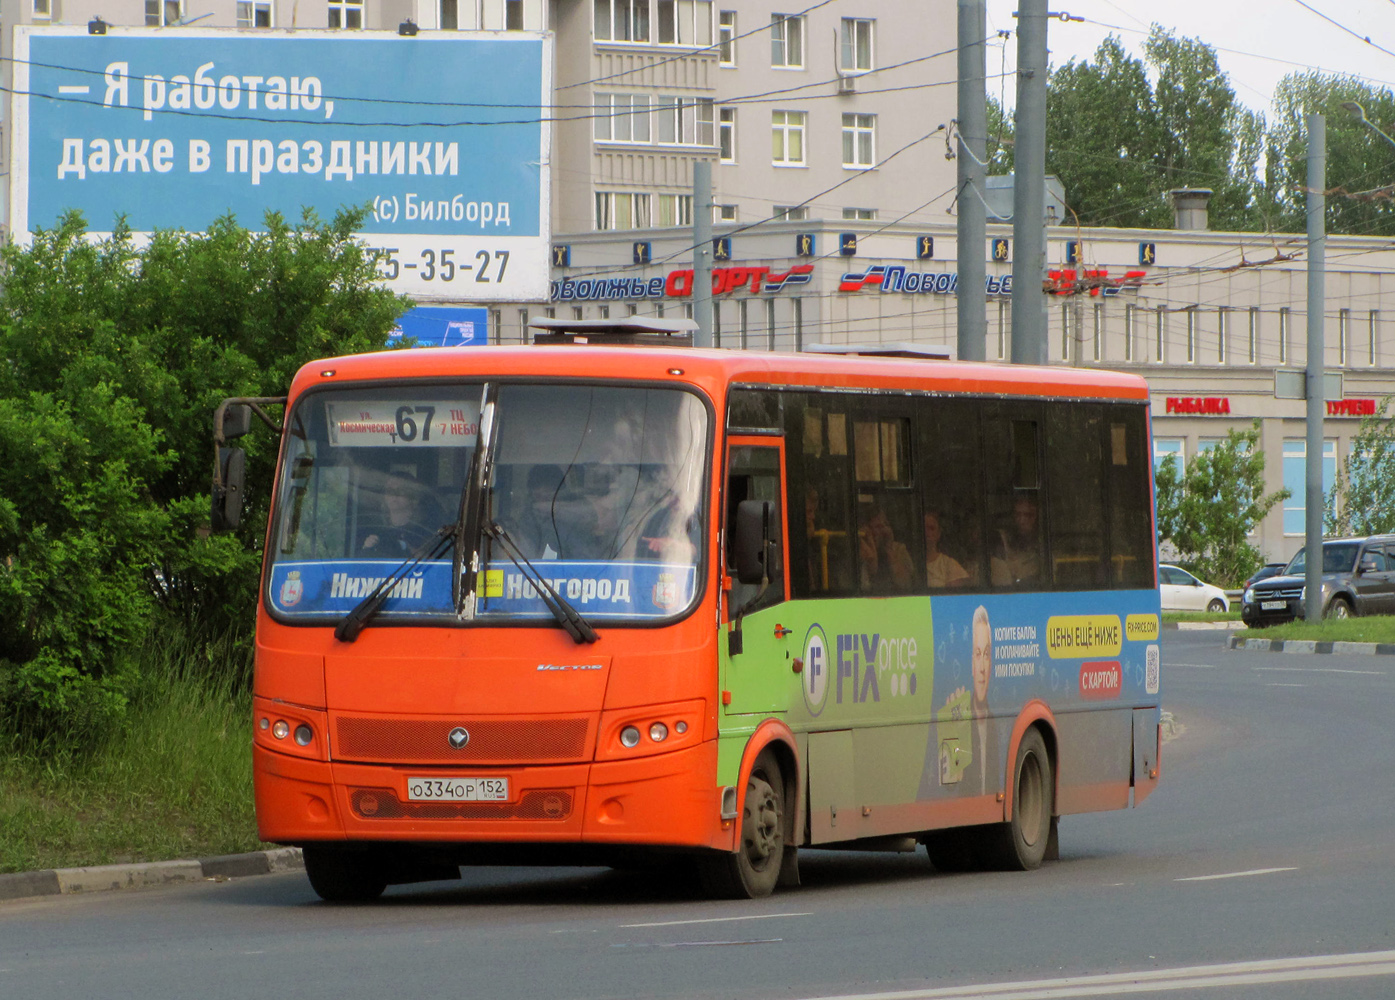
[1016, 558]
[941, 570]
[886, 563]
[404, 518]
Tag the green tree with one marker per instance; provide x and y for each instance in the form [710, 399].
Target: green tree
[1358, 160]
[1362, 500]
[114, 356]
[1120, 143]
[1208, 511]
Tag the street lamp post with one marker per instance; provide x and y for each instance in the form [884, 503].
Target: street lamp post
[1359, 113]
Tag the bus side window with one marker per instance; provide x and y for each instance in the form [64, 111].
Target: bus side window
[1017, 534]
[753, 473]
[821, 540]
[1075, 474]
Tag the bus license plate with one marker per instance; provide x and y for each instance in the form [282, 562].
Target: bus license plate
[458, 789]
[1273, 605]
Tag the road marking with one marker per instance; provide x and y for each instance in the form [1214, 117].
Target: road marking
[1229, 974]
[1252, 871]
[697, 944]
[1276, 684]
[719, 920]
[1323, 670]
[1194, 666]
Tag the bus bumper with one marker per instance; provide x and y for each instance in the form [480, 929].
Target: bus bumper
[668, 800]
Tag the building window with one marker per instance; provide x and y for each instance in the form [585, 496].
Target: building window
[1254, 336]
[859, 214]
[495, 333]
[787, 138]
[855, 45]
[1163, 448]
[675, 210]
[716, 323]
[1343, 332]
[1191, 336]
[684, 122]
[1004, 326]
[859, 140]
[797, 307]
[1283, 335]
[450, 15]
[726, 38]
[621, 21]
[342, 14]
[578, 312]
[726, 134]
[1373, 335]
[787, 41]
[1160, 348]
[513, 15]
[726, 213]
[1222, 334]
[253, 14]
[684, 22]
[523, 326]
[1099, 330]
[621, 117]
[770, 324]
[790, 213]
[742, 308]
[163, 13]
[1296, 478]
[622, 210]
[43, 10]
[1067, 314]
[1129, 316]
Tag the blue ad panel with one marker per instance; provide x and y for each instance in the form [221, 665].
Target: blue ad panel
[175, 129]
[443, 326]
[599, 590]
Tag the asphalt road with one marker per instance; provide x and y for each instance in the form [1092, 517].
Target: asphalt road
[1261, 868]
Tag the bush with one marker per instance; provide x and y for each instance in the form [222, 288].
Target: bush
[115, 356]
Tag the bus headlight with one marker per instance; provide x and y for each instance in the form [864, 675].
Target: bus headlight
[303, 735]
[658, 732]
[629, 737]
[281, 729]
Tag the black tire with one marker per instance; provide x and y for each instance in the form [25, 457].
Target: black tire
[1020, 844]
[1340, 608]
[1216, 607]
[339, 876]
[754, 869]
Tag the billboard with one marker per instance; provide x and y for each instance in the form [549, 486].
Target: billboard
[443, 135]
[443, 326]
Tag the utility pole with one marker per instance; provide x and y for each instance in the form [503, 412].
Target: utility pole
[1317, 302]
[702, 252]
[972, 171]
[1029, 188]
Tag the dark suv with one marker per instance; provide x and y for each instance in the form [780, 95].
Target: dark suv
[1358, 578]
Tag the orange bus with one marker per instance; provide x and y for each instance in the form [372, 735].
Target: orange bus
[608, 600]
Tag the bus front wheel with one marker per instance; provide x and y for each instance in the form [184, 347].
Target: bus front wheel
[339, 876]
[754, 869]
[1022, 841]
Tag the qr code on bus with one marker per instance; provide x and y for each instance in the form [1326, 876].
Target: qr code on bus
[1150, 675]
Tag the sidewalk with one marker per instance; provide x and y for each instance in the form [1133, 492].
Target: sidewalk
[55, 881]
[1312, 646]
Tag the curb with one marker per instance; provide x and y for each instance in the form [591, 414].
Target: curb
[1312, 646]
[101, 878]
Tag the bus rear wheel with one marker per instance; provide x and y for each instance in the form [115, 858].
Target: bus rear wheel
[754, 869]
[343, 876]
[1021, 842]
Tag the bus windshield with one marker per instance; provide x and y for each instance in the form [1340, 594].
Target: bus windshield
[599, 486]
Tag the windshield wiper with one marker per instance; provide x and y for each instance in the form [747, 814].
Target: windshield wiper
[567, 616]
[433, 548]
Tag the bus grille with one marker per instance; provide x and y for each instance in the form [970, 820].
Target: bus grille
[381, 803]
[492, 741]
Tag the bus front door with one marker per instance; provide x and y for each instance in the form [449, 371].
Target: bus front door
[757, 647]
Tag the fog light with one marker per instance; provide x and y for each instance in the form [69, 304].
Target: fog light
[629, 736]
[281, 730]
[658, 732]
[303, 735]
[265, 723]
[680, 728]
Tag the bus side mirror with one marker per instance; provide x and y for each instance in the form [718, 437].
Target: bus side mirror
[226, 512]
[237, 420]
[751, 545]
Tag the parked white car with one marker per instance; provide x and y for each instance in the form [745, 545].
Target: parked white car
[1183, 592]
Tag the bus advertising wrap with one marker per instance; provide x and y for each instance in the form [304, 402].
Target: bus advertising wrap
[444, 139]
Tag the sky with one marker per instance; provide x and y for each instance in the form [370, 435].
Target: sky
[1257, 42]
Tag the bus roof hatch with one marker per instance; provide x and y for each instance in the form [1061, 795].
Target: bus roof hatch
[633, 331]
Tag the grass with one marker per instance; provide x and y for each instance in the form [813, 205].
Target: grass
[174, 782]
[1200, 616]
[1375, 628]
